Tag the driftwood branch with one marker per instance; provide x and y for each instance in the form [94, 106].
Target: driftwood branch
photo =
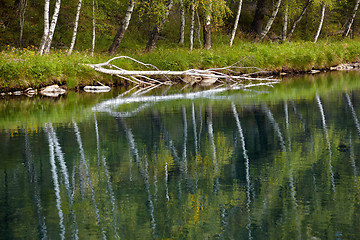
[154, 77]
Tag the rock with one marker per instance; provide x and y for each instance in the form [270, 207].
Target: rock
[314, 71]
[2, 94]
[283, 73]
[52, 91]
[17, 93]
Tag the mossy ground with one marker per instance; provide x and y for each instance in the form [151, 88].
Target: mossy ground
[23, 68]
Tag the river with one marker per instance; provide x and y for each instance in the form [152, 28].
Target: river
[279, 162]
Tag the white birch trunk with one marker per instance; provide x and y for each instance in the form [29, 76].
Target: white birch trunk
[124, 26]
[192, 25]
[236, 24]
[286, 15]
[351, 20]
[76, 24]
[298, 19]
[52, 27]
[182, 22]
[270, 22]
[321, 22]
[93, 29]
[46, 26]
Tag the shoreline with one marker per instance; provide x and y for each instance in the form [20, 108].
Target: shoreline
[21, 69]
[63, 89]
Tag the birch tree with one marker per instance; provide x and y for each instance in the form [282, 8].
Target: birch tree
[233, 33]
[285, 26]
[270, 22]
[93, 29]
[192, 25]
[49, 31]
[323, 5]
[182, 22]
[298, 19]
[76, 24]
[351, 20]
[122, 29]
[46, 26]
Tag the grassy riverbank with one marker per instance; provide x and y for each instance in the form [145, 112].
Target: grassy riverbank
[20, 69]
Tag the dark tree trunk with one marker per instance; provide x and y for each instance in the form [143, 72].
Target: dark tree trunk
[258, 21]
[124, 25]
[207, 33]
[155, 33]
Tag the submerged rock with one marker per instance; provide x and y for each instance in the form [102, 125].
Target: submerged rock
[52, 91]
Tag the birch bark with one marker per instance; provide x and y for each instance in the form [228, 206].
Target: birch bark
[76, 24]
[182, 22]
[351, 20]
[93, 28]
[298, 19]
[236, 24]
[270, 22]
[321, 22]
[52, 27]
[286, 15]
[46, 26]
[124, 26]
[192, 25]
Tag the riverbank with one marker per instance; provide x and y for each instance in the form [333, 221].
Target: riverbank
[20, 69]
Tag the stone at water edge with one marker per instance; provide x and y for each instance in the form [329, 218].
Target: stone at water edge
[52, 91]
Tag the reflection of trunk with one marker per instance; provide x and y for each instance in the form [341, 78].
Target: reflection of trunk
[124, 25]
[144, 171]
[321, 22]
[323, 120]
[182, 22]
[75, 27]
[213, 146]
[247, 167]
[194, 126]
[33, 179]
[55, 182]
[298, 19]
[87, 172]
[351, 20]
[233, 33]
[353, 113]
[192, 25]
[155, 33]
[107, 176]
[276, 127]
[270, 21]
[258, 21]
[185, 139]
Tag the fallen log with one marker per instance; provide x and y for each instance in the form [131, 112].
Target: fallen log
[155, 77]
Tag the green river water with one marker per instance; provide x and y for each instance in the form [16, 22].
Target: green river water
[269, 163]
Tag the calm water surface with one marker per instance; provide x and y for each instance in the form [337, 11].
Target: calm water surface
[275, 163]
